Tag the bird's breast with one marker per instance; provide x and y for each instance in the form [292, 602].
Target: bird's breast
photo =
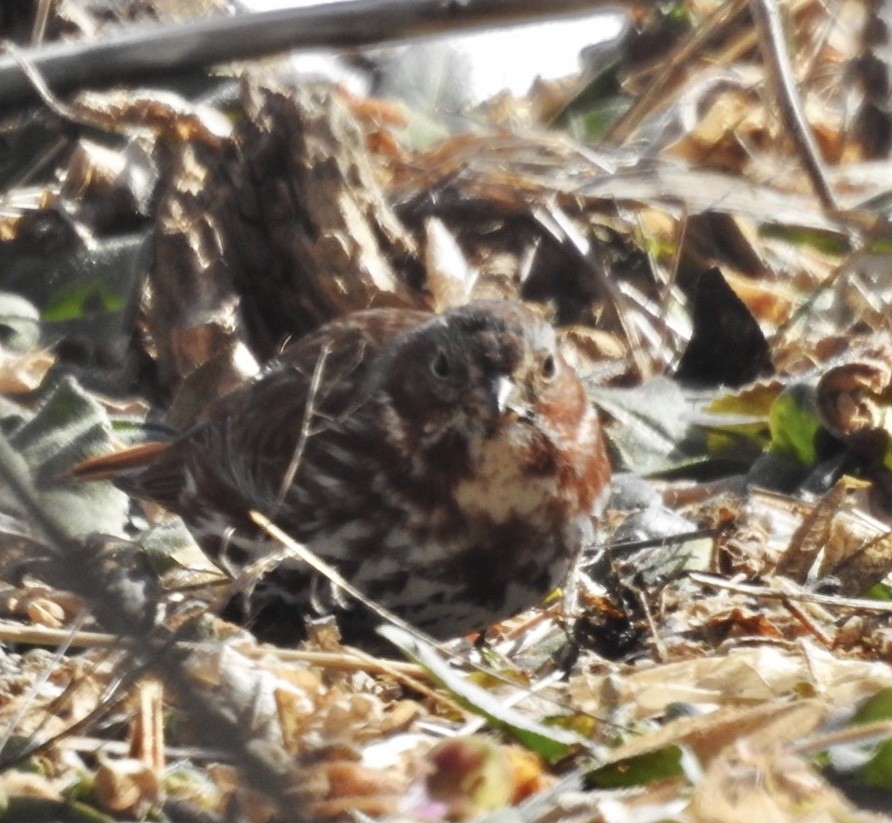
[509, 479]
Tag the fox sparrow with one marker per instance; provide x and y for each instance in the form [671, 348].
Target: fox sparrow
[448, 466]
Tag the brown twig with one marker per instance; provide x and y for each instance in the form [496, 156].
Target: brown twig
[799, 613]
[853, 603]
[863, 733]
[672, 73]
[309, 411]
[138, 52]
[292, 548]
[779, 67]
[348, 660]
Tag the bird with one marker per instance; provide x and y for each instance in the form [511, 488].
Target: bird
[449, 466]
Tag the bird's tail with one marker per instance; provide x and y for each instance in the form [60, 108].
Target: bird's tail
[118, 464]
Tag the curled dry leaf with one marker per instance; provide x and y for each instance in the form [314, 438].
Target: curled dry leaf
[737, 622]
[41, 604]
[43, 612]
[102, 185]
[720, 118]
[855, 400]
[315, 237]
[858, 552]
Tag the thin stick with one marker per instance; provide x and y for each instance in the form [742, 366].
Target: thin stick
[672, 72]
[659, 645]
[39, 681]
[39, 85]
[141, 52]
[329, 572]
[779, 65]
[315, 383]
[799, 613]
[411, 681]
[854, 603]
[14, 633]
[863, 733]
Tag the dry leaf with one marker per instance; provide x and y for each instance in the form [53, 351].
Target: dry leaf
[768, 785]
[810, 538]
[448, 275]
[126, 786]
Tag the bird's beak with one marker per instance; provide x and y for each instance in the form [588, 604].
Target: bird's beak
[507, 398]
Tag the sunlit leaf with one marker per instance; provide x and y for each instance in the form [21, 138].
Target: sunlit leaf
[877, 707]
[794, 423]
[639, 770]
[549, 742]
[19, 323]
[69, 426]
[651, 429]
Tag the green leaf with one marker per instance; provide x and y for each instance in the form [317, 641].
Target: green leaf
[95, 282]
[794, 423]
[826, 242]
[638, 770]
[877, 707]
[866, 762]
[88, 290]
[40, 810]
[878, 770]
[548, 742]
[879, 591]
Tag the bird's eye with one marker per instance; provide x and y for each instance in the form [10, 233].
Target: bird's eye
[440, 365]
[549, 367]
